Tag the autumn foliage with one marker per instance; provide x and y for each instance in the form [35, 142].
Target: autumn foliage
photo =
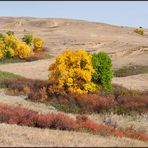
[121, 101]
[25, 117]
[38, 44]
[11, 46]
[73, 71]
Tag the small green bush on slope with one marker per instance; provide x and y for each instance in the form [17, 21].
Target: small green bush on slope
[28, 39]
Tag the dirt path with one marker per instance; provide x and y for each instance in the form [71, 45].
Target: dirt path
[13, 135]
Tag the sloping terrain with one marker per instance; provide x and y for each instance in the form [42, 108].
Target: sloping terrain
[14, 135]
[39, 70]
[27, 136]
[138, 122]
[122, 43]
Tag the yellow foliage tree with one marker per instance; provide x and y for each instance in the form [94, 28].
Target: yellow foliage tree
[23, 50]
[2, 47]
[73, 71]
[1, 53]
[10, 41]
[38, 43]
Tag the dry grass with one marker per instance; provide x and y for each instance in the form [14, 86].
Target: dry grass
[21, 102]
[13, 135]
[36, 69]
[137, 82]
[121, 43]
[139, 122]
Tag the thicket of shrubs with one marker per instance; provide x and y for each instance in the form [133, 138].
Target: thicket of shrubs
[11, 46]
[83, 81]
[121, 100]
[82, 72]
[25, 117]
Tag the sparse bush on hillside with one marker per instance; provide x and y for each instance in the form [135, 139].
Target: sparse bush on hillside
[28, 39]
[11, 41]
[11, 46]
[73, 70]
[10, 33]
[38, 44]
[139, 31]
[23, 50]
[103, 70]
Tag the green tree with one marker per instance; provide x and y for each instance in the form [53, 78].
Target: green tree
[10, 33]
[28, 39]
[103, 70]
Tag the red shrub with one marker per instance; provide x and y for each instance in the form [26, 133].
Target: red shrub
[15, 115]
[81, 118]
[43, 121]
[62, 122]
[39, 96]
[94, 102]
[21, 84]
[135, 135]
[42, 91]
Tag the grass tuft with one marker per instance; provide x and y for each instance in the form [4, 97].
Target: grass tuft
[130, 70]
[7, 76]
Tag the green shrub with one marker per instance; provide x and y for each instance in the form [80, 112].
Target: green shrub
[10, 33]
[28, 39]
[103, 70]
[1, 36]
[8, 76]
